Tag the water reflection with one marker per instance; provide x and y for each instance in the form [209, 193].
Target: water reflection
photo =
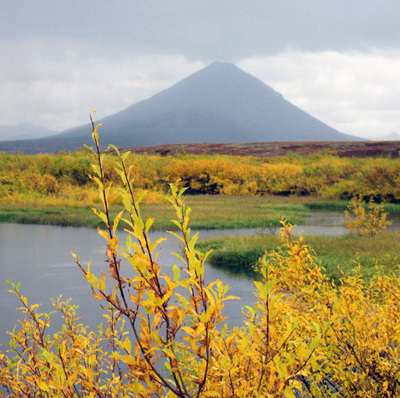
[324, 223]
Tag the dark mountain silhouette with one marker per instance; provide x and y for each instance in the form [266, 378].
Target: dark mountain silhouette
[219, 103]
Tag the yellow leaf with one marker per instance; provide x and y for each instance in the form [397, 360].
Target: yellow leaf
[42, 385]
[97, 295]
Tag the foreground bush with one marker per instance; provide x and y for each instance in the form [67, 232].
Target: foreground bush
[166, 335]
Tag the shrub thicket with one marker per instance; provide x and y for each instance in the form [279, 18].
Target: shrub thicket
[42, 177]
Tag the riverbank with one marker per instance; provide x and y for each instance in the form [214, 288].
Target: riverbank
[209, 212]
[339, 254]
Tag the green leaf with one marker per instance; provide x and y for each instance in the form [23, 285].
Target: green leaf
[223, 330]
[98, 181]
[96, 169]
[149, 223]
[177, 273]
[95, 137]
[114, 148]
[100, 214]
[169, 353]
[177, 236]
[141, 196]
[96, 128]
[125, 155]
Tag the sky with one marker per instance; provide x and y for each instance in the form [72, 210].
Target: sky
[338, 60]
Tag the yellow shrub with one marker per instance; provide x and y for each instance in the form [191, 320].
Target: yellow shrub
[366, 219]
[278, 178]
[50, 184]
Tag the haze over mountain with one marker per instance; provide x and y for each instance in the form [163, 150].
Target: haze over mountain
[220, 103]
[390, 137]
[24, 131]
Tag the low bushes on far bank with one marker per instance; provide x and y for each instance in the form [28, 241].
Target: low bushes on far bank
[63, 179]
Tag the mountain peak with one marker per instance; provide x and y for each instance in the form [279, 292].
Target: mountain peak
[217, 104]
[224, 69]
[221, 66]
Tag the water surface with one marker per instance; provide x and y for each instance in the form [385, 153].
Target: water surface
[39, 257]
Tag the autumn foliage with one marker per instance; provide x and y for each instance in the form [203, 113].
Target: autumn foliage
[166, 334]
[63, 179]
[366, 218]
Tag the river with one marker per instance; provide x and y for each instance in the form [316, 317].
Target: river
[39, 258]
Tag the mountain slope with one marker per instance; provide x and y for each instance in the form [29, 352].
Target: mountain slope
[219, 103]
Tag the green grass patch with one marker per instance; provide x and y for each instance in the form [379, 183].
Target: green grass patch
[392, 208]
[342, 254]
[240, 252]
[62, 216]
[327, 205]
[218, 211]
[209, 212]
[339, 255]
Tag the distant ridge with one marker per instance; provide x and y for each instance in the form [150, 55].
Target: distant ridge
[390, 137]
[24, 131]
[220, 103]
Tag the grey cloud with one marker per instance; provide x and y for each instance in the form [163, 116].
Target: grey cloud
[208, 29]
[357, 93]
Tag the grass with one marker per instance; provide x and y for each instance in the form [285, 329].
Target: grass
[343, 253]
[62, 216]
[209, 212]
[392, 208]
[217, 212]
[328, 205]
[338, 255]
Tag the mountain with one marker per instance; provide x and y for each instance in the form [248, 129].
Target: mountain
[24, 131]
[220, 103]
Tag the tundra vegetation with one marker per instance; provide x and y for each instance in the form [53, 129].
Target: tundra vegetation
[56, 189]
[63, 179]
[167, 335]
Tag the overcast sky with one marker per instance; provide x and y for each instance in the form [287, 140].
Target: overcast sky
[339, 60]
